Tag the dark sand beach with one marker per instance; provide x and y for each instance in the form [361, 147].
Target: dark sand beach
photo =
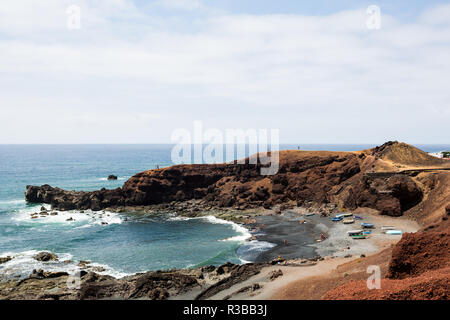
[293, 235]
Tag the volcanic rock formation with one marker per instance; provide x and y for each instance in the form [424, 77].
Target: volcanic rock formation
[368, 178]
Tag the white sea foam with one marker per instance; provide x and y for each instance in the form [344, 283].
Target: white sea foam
[18, 201]
[179, 218]
[244, 233]
[260, 246]
[23, 264]
[75, 217]
[118, 178]
[250, 250]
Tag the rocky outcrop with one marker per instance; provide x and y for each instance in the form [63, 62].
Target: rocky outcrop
[152, 285]
[45, 256]
[5, 259]
[238, 274]
[70, 200]
[345, 179]
[420, 252]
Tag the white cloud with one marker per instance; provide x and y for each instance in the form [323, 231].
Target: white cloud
[317, 78]
[181, 4]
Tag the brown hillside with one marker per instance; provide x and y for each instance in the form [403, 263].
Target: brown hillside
[405, 154]
[321, 179]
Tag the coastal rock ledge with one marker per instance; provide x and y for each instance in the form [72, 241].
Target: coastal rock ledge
[374, 178]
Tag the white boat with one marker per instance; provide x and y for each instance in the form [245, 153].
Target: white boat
[394, 232]
[387, 228]
[348, 221]
[354, 232]
[348, 214]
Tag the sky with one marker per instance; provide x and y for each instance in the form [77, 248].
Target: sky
[136, 71]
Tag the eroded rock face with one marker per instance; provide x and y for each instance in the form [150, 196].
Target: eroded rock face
[390, 194]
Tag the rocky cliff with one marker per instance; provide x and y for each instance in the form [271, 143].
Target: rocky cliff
[342, 179]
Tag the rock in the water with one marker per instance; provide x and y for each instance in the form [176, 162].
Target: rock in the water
[46, 256]
[5, 259]
[112, 177]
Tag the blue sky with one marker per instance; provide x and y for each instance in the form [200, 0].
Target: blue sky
[402, 9]
[136, 71]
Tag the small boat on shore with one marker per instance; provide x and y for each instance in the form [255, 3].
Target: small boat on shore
[367, 225]
[339, 215]
[348, 214]
[336, 219]
[354, 232]
[309, 214]
[348, 221]
[358, 217]
[394, 232]
[367, 232]
[359, 236]
[387, 228]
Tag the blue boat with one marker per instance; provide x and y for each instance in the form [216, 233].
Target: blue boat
[367, 232]
[336, 219]
[367, 225]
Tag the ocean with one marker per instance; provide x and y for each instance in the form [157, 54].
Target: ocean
[118, 244]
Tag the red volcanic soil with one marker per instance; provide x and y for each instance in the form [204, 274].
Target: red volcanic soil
[432, 285]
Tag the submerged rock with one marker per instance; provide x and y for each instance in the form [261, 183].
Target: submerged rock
[112, 177]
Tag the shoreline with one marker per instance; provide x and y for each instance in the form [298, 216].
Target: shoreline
[302, 250]
[288, 234]
[283, 280]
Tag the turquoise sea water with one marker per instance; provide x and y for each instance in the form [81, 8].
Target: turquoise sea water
[128, 243]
